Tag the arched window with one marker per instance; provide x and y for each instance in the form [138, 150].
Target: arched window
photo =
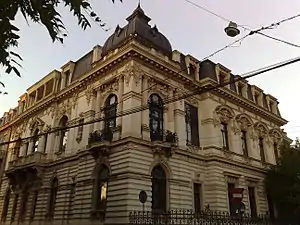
[52, 198]
[110, 111]
[100, 191]
[159, 190]
[35, 141]
[63, 136]
[156, 120]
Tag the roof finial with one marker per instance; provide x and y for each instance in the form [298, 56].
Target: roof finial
[139, 5]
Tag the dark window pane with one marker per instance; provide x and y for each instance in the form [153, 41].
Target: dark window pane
[231, 186]
[244, 143]
[159, 190]
[197, 197]
[224, 133]
[156, 117]
[252, 201]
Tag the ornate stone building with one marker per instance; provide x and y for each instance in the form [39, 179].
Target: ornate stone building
[126, 135]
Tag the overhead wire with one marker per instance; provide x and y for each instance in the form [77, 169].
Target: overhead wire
[258, 31]
[170, 100]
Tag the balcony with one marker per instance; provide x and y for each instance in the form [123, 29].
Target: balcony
[99, 142]
[164, 142]
[34, 159]
[164, 136]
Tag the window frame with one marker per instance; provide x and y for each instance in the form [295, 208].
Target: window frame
[156, 116]
[110, 112]
[52, 198]
[224, 135]
[159, 190]
[261, 149]
[244, 143]
[192, 125]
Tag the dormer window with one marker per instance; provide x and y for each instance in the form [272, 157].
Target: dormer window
[271, 105]
[256, 98]
[192, 70]
[222, 78]
[67, 78]
[240, 89]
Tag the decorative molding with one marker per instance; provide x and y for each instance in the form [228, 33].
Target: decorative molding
[135, 71]
[89, 92]
[75, 99]
[110, 88]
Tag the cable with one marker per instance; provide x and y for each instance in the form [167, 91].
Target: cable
[169, 76]
[173, 99]
[272, 26]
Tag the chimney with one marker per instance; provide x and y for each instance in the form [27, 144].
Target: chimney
[97, 50]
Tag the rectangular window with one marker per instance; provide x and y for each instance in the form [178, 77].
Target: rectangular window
[240, 90]
[67, 77]
[197, 197]
[192, 125]
[224, 133]
[252, 201]
[256, 97]
[230, 188]
[23, 206]
[5, 205]
[45, 142]
[80, 128]
[244, 142]
[222, 78]
[33, 206]
[14, 207]
[275, 146]
[261, 149]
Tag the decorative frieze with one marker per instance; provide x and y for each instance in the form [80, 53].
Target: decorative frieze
[89, 92]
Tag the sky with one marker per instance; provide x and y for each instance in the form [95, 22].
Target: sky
[190, 30]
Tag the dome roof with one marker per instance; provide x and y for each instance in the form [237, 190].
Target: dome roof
[138, 26]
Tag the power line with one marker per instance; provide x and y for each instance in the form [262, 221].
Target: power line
[271, 26]
[172, 99]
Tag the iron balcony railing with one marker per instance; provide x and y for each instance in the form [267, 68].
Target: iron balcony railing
[100, 136]
[164, 136]
[188, 217]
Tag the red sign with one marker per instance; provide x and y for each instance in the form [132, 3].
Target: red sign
[237, 194]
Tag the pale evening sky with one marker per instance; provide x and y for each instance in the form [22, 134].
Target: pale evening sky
[191, 31]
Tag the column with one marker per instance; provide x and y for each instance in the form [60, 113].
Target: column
[120, 98]
[180, 123]
[145, 113]
[44, 94]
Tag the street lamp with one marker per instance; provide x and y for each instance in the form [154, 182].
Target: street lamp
[232, 29]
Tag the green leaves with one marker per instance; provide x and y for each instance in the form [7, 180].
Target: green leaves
[282, 182]
[44, 12]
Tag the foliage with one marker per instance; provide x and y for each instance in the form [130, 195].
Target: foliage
[283, 183]
[37, 11]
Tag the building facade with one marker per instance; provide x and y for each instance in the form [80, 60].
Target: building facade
[103, 128]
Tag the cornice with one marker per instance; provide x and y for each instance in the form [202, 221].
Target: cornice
[251, 107]
[133, 50]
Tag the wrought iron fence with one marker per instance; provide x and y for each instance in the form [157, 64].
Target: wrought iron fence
[188, 217]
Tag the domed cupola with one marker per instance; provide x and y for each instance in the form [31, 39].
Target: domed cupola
[138, 28]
